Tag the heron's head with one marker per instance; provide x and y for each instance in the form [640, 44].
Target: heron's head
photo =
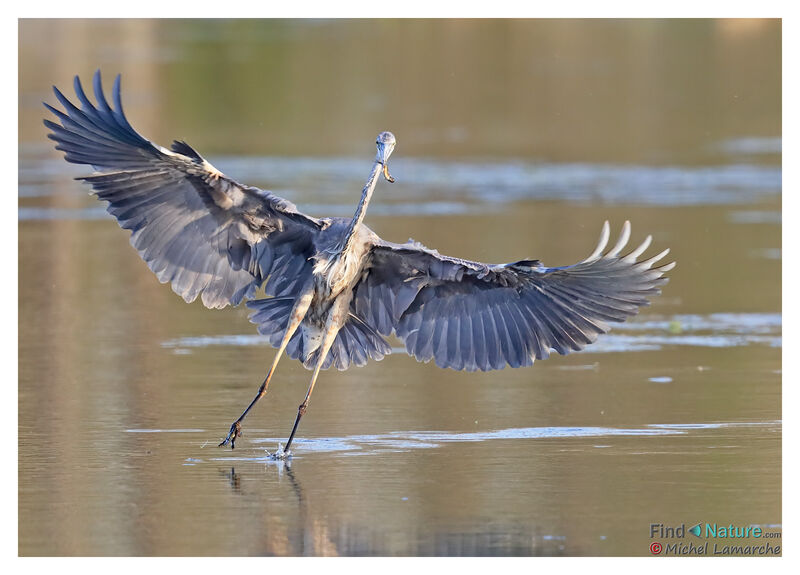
[385, 143]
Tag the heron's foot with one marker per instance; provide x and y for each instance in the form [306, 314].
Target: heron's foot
[233, 434]
[280, 453]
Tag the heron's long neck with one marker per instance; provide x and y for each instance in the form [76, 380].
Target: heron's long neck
[361, 211]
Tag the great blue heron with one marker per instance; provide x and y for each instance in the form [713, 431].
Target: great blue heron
[334, 288]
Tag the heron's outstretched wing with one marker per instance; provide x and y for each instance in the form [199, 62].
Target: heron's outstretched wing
[470, 315]
[196, 228]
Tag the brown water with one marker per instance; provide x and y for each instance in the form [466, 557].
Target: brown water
[515, 139]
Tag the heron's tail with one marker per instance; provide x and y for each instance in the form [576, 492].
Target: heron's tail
[271, 315]
[355, 344]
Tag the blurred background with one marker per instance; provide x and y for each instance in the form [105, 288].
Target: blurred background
[516, 139]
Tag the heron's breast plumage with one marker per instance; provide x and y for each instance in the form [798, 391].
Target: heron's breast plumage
[338, 267]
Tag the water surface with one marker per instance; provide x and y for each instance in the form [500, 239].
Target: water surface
[516, 139]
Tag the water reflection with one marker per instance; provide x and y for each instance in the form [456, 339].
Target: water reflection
[312, 534]
[596, 90]
[714, 330]
[312, 531]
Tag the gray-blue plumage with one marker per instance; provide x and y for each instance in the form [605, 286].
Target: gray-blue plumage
[334, 288]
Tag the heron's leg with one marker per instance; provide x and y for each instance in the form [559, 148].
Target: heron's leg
[295, 318]
[336, 319]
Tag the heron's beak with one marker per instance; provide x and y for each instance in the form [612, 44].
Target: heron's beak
[386, 173]
[384, 151]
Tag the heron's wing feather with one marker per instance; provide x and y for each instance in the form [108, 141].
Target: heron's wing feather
[471, 315]
[201, 231]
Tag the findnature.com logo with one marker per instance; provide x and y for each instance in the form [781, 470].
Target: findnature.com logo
[720, 540]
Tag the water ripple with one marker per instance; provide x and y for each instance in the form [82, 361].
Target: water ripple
[401, 441]
[510, 181]
[326, 185]
[640, 334]
[751, 146]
